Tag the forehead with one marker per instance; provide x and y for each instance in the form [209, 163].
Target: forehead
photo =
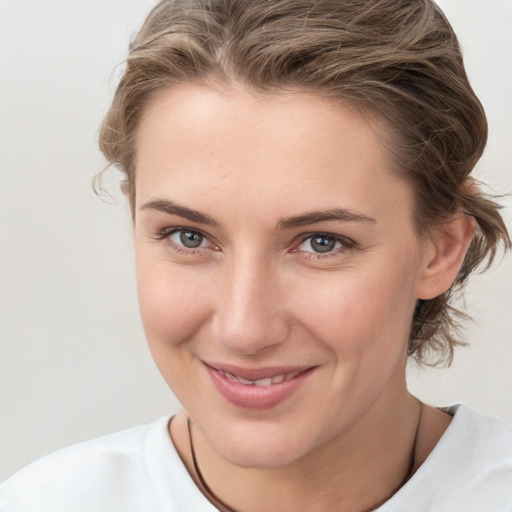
[294, 147]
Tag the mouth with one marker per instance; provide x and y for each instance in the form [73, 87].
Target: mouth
[262, 382]
[257, 388]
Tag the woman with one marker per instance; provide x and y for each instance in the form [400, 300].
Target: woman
[299, 176]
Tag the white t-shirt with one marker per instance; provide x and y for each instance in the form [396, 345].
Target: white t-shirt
[470, 470]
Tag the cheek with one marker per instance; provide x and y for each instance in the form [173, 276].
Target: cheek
[173, 303]
[360, 314]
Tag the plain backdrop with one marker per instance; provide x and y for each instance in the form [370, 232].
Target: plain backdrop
[73, 360]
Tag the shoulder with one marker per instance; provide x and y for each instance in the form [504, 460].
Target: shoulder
[107, 470]
[470, 469]
[486, 439]
[476, 453]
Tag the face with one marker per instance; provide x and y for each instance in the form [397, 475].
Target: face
[277, 267]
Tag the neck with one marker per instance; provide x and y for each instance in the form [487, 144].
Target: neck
[355, 471]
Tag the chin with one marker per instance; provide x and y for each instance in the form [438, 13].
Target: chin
[259, 459]
[261, 449]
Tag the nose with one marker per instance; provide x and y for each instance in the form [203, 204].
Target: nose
[250, 315]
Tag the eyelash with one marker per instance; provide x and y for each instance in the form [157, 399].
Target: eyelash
[346, 243]
[165, 234]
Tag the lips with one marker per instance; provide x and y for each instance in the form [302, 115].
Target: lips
[257, 388]
[268, 381]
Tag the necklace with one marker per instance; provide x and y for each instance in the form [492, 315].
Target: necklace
[217, 501]
[211, 495]
[412, 463]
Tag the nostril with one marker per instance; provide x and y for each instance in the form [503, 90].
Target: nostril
[247, 338]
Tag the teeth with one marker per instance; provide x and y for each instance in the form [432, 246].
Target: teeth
[261, 382]
[245, 381]
[230, 377]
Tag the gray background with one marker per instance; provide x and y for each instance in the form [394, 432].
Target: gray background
[73, 361]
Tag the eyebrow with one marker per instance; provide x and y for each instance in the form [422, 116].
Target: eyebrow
[339, 214]
[305, 219]
[166, 206]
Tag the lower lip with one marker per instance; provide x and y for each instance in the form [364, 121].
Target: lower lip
[256, 397]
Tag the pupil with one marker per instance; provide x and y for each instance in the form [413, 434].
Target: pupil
[323, 243]
[191, 239]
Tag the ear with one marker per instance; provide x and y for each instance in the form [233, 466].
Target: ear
[124, 188]
[443, 255]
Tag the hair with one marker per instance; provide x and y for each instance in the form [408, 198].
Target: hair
[398, 60]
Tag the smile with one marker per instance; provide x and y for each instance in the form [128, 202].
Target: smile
[257, 388]
[260, 382]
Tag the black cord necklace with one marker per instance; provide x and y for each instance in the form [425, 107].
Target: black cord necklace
[218, 502]
[211, 495]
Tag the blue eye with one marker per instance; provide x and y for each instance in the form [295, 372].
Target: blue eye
[322, 243]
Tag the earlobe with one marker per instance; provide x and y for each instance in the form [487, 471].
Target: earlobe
[444, 254]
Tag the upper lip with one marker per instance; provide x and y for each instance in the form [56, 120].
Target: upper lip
[257, 373]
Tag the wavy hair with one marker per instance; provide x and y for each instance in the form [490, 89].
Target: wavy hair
[398, 60]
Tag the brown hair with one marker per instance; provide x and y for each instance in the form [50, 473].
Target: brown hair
[399, 59]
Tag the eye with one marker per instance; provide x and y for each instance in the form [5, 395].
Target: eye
[322, 243]
[185, 240]
[188, 238]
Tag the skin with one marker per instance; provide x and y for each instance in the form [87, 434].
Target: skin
[256, 294]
